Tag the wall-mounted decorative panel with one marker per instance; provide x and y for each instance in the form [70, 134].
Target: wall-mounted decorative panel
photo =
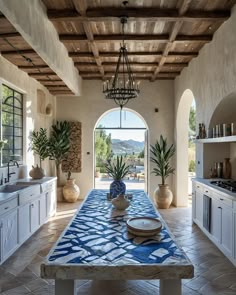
[72, 162]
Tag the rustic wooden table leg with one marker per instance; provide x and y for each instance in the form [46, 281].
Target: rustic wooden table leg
[170, 287]
[63, 287]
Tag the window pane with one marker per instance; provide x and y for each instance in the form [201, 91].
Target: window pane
[18, 121]
[7, 91]
[7, 119]
[7, 108]
[18, 132]
[18, 142]
[18, 111]
[12, 129]
[18, 103]
[6, 131]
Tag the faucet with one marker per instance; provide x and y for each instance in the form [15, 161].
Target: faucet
[8, 169]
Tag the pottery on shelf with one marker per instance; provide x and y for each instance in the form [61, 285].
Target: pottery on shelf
[226, 168]
[117, 187]
[163, 196]
[71, 191]
[37, 172]
[120, 202]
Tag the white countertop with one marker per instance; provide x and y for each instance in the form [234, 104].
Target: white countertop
[216, 188]
[7, 196]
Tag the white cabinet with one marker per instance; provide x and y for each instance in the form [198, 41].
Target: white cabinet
[8, 234]
[42, 209]
[24, 222]
[227, 229]
[216, 219]
[34, 215]
[51, 203]
[22, 215]
[199, 206]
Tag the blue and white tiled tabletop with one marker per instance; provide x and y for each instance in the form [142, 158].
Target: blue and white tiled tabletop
[97, 236]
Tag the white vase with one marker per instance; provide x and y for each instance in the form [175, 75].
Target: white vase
[120, 202]
[163, 196]
[71, 191]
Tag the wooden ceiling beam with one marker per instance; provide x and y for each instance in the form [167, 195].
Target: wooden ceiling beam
[81, 7]
[73, 38]
[130, 53]
[183, 6]
[138, 78]
[35, 75]
[110, 73]
[141, 64]
[13, 52]
[134, 14]
[33, 67]
[10, 35]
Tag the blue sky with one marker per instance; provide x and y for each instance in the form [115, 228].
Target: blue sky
[129, 120]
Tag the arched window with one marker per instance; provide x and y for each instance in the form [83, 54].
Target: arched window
[12, 124]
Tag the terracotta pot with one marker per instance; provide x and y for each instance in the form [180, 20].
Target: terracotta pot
[163, 196]
[120, 202]
[71, 191]
[37, 172]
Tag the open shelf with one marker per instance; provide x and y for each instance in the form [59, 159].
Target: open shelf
[217, 139]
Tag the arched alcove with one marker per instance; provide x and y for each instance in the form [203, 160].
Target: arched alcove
[182, 129]
[225, 111]
[125, 126]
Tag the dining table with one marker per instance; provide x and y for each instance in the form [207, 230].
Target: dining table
[96, 245]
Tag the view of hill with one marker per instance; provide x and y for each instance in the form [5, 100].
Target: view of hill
[127, 146]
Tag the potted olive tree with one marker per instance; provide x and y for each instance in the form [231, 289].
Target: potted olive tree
[161, 155]
[39, 144]
[117, 169]
[59, 144]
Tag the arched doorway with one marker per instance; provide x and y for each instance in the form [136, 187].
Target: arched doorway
[121, 133]
[182, 145]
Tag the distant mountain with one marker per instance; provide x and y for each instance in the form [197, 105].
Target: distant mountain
[127, 146]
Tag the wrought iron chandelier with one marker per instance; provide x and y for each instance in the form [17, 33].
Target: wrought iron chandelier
[122, 86]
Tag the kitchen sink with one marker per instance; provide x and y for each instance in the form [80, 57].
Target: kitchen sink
[11, 188]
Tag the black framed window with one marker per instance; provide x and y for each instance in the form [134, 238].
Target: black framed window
[12, 124]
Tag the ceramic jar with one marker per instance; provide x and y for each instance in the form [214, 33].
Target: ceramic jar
[37, 172]
[117, 187]
[120, 202]
[226, 168]
[163, 196]
[71, 191]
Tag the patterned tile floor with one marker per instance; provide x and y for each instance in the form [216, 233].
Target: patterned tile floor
[214, 274]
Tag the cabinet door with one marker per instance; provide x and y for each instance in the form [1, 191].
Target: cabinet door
[34, 216]
[24, 223]
[9, 234]
[194, 204]
[234, 235]
[216, 220]
[51, 203]
[199, 207]
[43, 209]
[227, 229]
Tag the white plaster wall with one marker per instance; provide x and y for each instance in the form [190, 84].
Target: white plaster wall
[31, 21]
[91, 106]
[15, 78]
[211, 77]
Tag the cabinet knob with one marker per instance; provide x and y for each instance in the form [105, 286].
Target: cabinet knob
[32, 205]
[206, 191]
[219, 208]
[1, 225]
[221, 199]
[6, 208]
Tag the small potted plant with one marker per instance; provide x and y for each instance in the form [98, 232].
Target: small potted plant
[39, 145]
[161, 155]
[117, 169]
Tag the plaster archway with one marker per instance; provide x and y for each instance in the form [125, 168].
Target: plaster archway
[182, 128]
[144, 127]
